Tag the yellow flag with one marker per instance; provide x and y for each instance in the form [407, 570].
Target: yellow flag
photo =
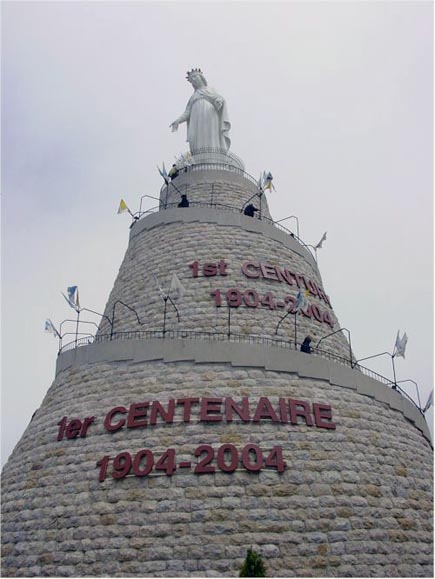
[123, 206]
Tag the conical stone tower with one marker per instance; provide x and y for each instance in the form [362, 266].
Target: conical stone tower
[193, 428]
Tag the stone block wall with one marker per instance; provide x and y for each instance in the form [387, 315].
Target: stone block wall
[338, 482]
[172, 240]
[352, 501]
[227, 188]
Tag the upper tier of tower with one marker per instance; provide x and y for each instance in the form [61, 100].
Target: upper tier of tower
[225, 185]
[240, 275]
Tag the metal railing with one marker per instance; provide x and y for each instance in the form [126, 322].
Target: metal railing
[224, 207]
[232, 338]
[217, 165]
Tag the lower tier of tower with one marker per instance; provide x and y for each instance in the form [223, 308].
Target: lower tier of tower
[173, 457]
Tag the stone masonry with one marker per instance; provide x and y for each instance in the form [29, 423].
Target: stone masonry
[354, 497]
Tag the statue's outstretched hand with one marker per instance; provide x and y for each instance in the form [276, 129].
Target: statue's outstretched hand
[174, 126]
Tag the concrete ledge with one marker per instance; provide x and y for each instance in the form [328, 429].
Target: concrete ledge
[224, 219]
[313, 367]
[366, 386]
[251, 355]
[395, 400]
[146, 351]
[343, 376]
[278, 361]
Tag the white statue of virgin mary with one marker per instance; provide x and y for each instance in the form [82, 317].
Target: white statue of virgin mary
[206, 115]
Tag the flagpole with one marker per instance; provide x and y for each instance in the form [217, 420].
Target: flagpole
[77, 326]
[113, 316]
[354, 364]
[246, 202]
[176, 188]
[164, 316]
[350, 344]
[296, 313]
[394, 371]
[175, 307]
[281, 320]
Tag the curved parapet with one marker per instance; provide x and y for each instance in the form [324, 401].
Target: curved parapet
[172, 457]
[242, 355]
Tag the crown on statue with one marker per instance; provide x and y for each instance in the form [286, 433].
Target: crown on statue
[193, 72]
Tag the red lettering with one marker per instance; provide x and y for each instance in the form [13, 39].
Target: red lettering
[312, 287]
[61, 424]
[327, 319]
[264, 410]
[73, 428]
[138, 410]
[222, 267]
[283, 410]
[292, 302]
[194, 267]
[187, 403]
[284, 276]
[300, 279]
[210, 410]
[87, 422]
[209, 269]
[268, 272]
[323, 296]
[319, 291]
[316, 312]
[304, 411]
[167, 415]
[323, 416]
[307, 313]
[292, 275]
[247, 266]
[107, 421]
[243, 412]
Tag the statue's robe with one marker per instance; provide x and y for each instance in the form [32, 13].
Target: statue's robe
[207, 127]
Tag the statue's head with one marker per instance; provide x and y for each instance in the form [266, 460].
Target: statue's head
[196, 78]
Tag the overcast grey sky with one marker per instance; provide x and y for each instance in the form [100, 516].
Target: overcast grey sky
[336, 99]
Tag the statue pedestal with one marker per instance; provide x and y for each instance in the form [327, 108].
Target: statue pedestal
[215, 157]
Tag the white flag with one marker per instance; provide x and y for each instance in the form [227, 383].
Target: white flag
[400, 345]
[162, 293]
[164, 174]
[319, 245]
[429, 402]
[176, 289]
[267, 184]
[73, 297]
[185, 160]
[301, 300]
[49, 327]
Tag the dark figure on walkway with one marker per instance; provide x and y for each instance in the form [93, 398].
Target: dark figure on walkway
[250, 210]
[173, 173]
[184, 201]
[305, 346]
